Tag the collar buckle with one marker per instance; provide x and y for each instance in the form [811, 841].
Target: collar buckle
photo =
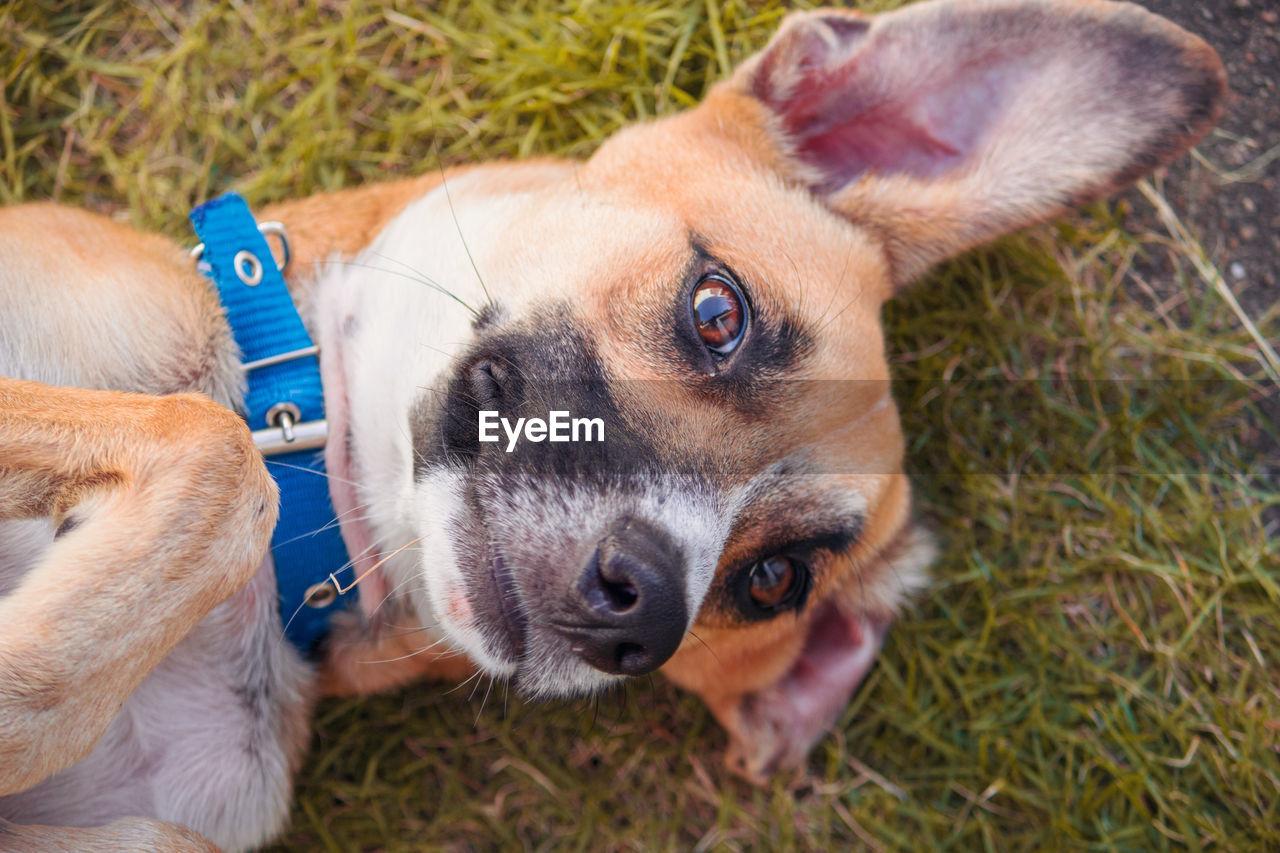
[291, 437]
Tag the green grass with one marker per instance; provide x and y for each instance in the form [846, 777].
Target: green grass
[1095, 667]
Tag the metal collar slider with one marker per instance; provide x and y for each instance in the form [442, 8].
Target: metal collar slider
[290, 437]
[287, 433]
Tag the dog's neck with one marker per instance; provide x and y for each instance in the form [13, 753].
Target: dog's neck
[385, 312]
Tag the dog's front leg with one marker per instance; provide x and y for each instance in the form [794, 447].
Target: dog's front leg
[164, 509]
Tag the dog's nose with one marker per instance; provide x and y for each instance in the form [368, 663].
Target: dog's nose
[633, 597]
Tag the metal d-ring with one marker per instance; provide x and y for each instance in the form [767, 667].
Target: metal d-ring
[277, 230]
[320, 595]
[268, 229]
[248, 268]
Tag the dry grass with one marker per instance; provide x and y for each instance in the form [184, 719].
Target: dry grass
[1096, 667]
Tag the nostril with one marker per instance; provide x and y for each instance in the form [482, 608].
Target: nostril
[486, 378]
[632, 659]
[621, 596]
[617, 595]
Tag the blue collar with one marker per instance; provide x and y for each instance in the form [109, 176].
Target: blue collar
[284, 405]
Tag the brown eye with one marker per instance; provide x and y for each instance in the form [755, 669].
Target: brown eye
[719, 314]
[773, 582]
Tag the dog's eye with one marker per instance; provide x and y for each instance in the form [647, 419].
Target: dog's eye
[775, 583]
[719, 313]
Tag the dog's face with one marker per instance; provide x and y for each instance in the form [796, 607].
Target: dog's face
[723, 327]
[706, 289]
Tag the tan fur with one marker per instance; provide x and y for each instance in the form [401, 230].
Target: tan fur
[127, 466]
[127, 307]
[173, 508]
[398, 657]
[125, 834]
[343, 222]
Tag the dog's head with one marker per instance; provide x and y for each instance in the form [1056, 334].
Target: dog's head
[703, 295]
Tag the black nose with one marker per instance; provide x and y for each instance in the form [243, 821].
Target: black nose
[632, 599]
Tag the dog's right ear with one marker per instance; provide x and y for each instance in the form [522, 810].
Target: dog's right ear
[947, 123]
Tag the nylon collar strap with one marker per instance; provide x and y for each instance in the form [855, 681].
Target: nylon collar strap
[284, 406]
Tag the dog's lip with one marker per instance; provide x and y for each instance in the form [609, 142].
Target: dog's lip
[511, 617]
[357, 534]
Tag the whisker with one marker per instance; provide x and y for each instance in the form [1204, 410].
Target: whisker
[324, 474]
[326, 526]
[394, 590]
[444, 183]
[483, 702]
[411, 654]
[417, 279]
[712, 651]
[469, 679]
[373, 568]
[400, 631]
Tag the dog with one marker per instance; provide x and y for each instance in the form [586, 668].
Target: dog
[702, 296]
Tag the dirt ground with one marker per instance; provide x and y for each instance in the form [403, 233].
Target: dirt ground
[1238, 219]
[1236, 212]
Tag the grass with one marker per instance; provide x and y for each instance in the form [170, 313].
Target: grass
[1095, 667]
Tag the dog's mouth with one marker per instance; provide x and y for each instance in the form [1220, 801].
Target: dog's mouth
[357, 535]
[511, 621]
[348, 506]
[568, 608]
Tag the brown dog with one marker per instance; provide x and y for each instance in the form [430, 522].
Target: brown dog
[706, 288]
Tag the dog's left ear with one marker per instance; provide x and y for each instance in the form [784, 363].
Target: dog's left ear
[947, 123]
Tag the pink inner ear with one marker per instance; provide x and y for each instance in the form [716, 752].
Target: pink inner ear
[850, 114]
[838, 652]
[777, 726]
[884, 139]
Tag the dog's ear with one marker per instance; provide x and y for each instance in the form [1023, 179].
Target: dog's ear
[947, 123]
